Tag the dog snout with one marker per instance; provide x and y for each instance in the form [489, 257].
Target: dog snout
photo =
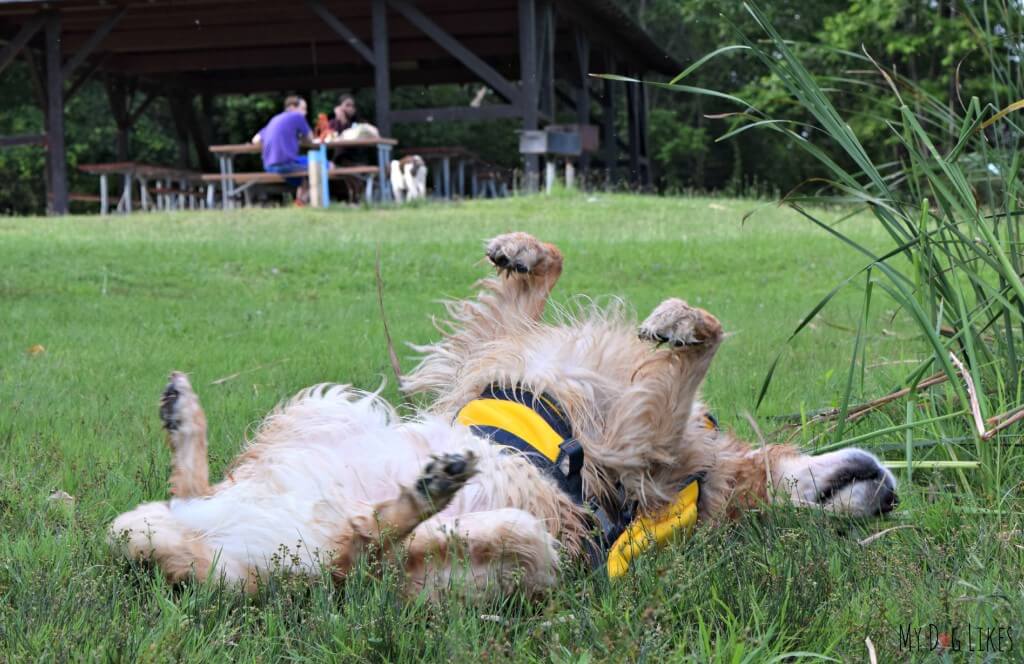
[887, 500]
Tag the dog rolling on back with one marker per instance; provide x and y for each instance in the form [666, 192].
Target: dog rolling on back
[334, 473]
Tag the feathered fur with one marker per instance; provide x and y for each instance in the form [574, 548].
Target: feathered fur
[334, 472]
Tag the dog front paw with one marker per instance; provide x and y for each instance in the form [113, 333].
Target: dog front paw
[678, 324]
[521, 253]
[443, 477]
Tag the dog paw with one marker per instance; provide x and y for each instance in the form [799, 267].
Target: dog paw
[678, 324]
[179, 405]
[522, 253]
[444, 476]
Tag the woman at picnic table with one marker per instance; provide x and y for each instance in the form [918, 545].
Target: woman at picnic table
[280, 141]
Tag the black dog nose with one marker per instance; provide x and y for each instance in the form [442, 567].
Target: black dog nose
[456, 467]
[887, 501]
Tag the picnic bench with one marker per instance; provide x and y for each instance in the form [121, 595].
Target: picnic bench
[228, 178]
[173, 186]
[241, 182]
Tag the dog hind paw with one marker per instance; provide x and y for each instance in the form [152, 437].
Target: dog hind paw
[521, 253]
[178, 403]
[678, 324]
[444, 476]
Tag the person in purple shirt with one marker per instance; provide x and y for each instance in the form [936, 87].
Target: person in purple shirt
[280, 142]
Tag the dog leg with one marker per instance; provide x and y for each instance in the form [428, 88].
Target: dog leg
[392, 521]
[151, 533]
[646, 429]
[185, 425]
[495, 551]
[510, 301]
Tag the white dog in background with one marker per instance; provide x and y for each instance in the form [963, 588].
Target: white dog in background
[409, 178]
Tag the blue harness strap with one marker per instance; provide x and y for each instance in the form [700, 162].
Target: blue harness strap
[557, 454]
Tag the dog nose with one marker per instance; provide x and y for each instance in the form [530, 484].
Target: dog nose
[888, 500]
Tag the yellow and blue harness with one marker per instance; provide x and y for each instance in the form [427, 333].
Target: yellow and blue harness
[537, 427]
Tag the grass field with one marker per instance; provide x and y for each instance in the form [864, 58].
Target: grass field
[257, 304]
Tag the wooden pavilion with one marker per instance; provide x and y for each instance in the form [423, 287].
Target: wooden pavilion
[534, 54]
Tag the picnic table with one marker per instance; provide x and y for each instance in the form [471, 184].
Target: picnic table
[226, 155]
[166, 196]
[443, 175]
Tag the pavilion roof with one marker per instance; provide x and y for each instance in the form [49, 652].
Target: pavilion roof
[239, 46]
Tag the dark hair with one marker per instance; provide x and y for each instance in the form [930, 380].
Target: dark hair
[293, 101]
[343, 98]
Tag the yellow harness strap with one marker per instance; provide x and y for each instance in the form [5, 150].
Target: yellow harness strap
[658, 529]
[655, 530]
[516, 418]
[529, 426]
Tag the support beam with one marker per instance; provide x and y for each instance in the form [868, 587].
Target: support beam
[22, 139]
[528, 73]
[457, 114]
[381, 67]
[546, 56]
[195, 130]
[487, 74]
[31, 27]
[633, 119]
[609, 140]
[92, 42]
[134, 115]
[84, 76]
[58, 193]
[343, 31]
[176, 105]
[582, 87]
[647, 178]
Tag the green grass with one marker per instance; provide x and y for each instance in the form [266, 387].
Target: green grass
[285, 299]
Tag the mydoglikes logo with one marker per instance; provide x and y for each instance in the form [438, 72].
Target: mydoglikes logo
[959, 637]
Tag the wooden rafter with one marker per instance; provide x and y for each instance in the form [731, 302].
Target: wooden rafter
[473, 62]
[343, 30]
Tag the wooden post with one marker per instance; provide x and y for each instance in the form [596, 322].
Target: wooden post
[381, 68]
[645, 153]
[546, 57]
[58, 194]
[175, 102]
[609, 146]
[117, 95]
[632, 116]
[528, 74]
[583, 90]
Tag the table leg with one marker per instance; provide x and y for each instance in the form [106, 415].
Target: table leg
[231, 181]
[383, 163]
[143, 195]
[446, 177]
[104, 195]
[128, 193]
[223, 181]
[462, 178]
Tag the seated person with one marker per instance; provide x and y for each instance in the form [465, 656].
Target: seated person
[280, 144]
[344, 114]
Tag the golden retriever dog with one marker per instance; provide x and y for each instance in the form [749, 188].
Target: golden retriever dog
[334, 473]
